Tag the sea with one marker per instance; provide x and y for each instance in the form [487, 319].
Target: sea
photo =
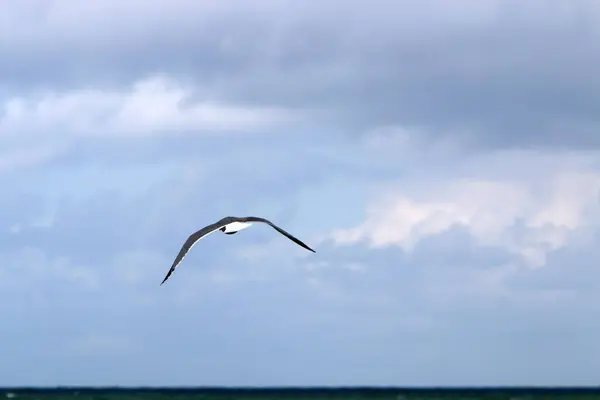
[82, 393]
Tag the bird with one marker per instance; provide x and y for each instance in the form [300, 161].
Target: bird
[229, 226]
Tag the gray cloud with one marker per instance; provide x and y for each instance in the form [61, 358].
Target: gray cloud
[499, 74]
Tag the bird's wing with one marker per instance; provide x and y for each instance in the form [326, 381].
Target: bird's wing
[278, 229]
[190, 242]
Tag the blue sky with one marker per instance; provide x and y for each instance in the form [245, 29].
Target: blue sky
[442, 159]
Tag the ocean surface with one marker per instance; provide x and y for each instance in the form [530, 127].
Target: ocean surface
[299, 394]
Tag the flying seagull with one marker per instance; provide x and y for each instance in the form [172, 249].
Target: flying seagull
[229, 226]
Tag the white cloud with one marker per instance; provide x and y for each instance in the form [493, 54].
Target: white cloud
[152, 105]
[529, 218]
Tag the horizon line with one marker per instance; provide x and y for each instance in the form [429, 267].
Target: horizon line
[299, 387]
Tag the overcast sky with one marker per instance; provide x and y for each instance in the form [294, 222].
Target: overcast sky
[442, 158]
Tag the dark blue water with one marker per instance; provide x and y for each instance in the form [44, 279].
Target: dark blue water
[80, 393]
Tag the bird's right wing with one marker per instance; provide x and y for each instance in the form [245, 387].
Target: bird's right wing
[190, 242]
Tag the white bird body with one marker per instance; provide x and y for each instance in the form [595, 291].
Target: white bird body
[236, 226]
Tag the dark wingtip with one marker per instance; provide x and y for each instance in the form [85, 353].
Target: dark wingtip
[308, 248]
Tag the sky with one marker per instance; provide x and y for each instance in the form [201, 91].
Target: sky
[442, 158]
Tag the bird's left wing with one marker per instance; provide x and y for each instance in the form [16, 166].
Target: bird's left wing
[278, 229]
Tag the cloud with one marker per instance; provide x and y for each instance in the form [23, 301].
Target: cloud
[442, 160]
[500, 74]
[152, 106]
[527, 218]
[153, 116]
